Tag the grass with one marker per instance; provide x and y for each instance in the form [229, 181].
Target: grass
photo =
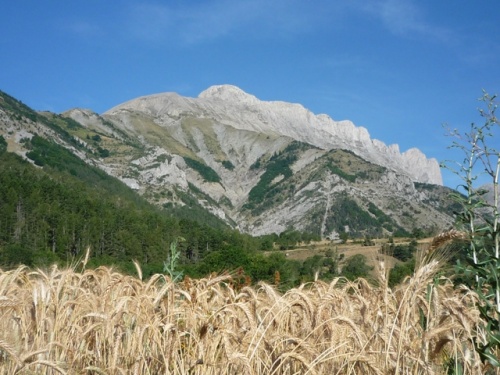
[193, 126]
[72, 321]
[372, 253]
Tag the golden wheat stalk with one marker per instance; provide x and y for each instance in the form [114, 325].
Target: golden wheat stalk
[104, 322]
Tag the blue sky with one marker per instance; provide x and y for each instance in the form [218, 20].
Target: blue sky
[400, 68]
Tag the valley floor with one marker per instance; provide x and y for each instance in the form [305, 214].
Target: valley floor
[373, 253]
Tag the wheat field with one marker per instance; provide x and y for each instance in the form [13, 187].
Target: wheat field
[99, 321]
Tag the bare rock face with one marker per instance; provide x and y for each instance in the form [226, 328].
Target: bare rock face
[229, 105]
[262, 184]
[427, 170]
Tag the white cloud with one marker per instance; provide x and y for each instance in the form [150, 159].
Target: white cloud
[194, 22]
[209, 20]
[404, 18]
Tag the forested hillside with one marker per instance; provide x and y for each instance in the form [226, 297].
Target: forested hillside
[55, 210]
[55, 203]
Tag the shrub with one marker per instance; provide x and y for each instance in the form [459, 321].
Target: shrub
[228, 165]
[204, 170]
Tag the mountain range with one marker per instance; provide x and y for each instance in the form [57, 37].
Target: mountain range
[262, 167]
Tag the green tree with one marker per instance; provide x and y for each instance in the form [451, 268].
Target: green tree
[367, 241]
[312, 266]
[344, 236]
[267, 242]
[16, 254]
[3, 144]
[400, 271]
[356, 267]
[418, 233]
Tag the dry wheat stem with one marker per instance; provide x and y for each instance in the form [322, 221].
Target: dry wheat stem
[104, 322]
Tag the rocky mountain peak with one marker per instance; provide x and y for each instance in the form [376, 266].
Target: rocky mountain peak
[229, 105]
[228, 93]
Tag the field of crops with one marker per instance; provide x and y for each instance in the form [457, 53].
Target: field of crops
[82, 321]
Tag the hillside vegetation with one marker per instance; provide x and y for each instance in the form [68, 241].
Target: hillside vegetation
[54, 212]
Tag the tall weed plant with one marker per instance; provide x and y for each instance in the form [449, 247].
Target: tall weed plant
[479, 220]
[171, 265]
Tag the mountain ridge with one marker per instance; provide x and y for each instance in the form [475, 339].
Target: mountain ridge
[241, 163]
[287, 119]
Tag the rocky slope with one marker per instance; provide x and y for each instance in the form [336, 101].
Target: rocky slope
[261, 166]
[229, 105]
